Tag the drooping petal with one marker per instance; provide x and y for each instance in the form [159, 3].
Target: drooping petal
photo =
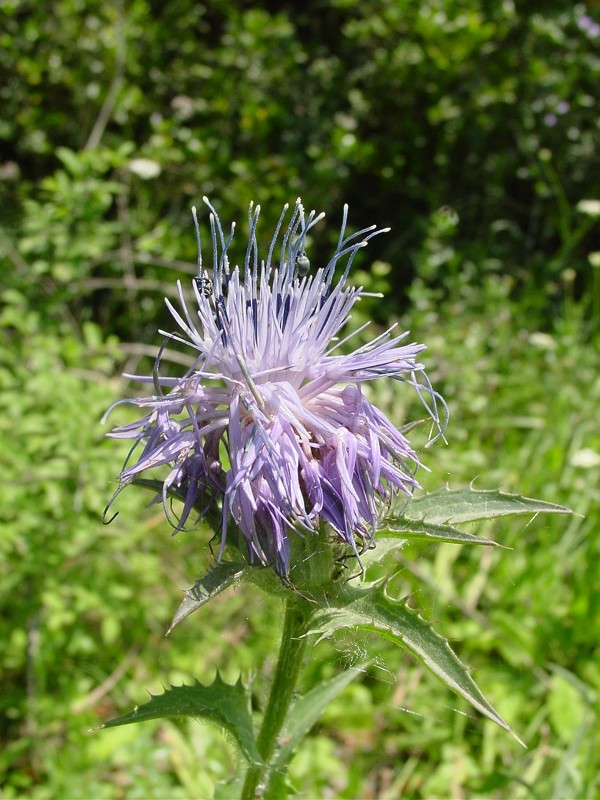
[269, 422]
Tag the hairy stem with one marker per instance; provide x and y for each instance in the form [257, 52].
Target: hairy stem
[284, 683]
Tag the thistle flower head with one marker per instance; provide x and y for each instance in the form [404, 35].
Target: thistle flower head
[270, 424]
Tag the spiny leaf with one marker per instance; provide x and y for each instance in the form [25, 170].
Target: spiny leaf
[466, 505]
[375, 610]
[216, 580]
[384, 544]
[225, 704]
[407, 528]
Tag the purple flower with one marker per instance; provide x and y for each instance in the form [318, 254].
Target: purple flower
[269, 425]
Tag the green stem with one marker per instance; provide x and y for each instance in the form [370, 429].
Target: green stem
[284, 683]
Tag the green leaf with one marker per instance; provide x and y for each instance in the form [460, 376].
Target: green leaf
[225, 704]
[385, 543]
[303, 715]
[229, 790]
[375, 610]
[567, 707]
[307, 710]
[467, 505]
[216, 580]
[72, 161]
[424, 529]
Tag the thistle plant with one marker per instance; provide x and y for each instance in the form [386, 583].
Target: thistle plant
[270, 441]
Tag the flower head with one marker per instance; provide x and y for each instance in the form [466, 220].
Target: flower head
[269, 425]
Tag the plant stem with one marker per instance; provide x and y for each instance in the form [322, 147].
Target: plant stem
[287, 671]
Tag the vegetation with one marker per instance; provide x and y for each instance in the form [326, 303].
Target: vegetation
[467, 127]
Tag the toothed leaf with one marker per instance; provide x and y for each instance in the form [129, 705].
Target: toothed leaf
[466, 505]
[384, 543]
[374, 610]
[406, 528]
[216, 580]
[225, 704]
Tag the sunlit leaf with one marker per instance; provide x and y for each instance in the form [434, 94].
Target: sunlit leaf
[466, 505]
[307, 710]
[225, 704]
[406, 528]
[216, 580]
[375, 610]
[385, 543]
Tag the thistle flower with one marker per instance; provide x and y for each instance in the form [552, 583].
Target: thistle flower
[269, 425]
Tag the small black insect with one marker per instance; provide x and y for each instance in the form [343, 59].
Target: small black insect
[302, 265]
[204, 286]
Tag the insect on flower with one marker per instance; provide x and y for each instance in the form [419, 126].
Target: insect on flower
[269, 425]
[302, 265]
[204, 285]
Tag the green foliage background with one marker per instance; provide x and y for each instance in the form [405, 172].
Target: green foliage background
[470, 129]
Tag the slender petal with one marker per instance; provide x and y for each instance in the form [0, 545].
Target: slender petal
[270, 424]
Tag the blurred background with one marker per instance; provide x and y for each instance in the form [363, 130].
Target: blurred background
[471, 128]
